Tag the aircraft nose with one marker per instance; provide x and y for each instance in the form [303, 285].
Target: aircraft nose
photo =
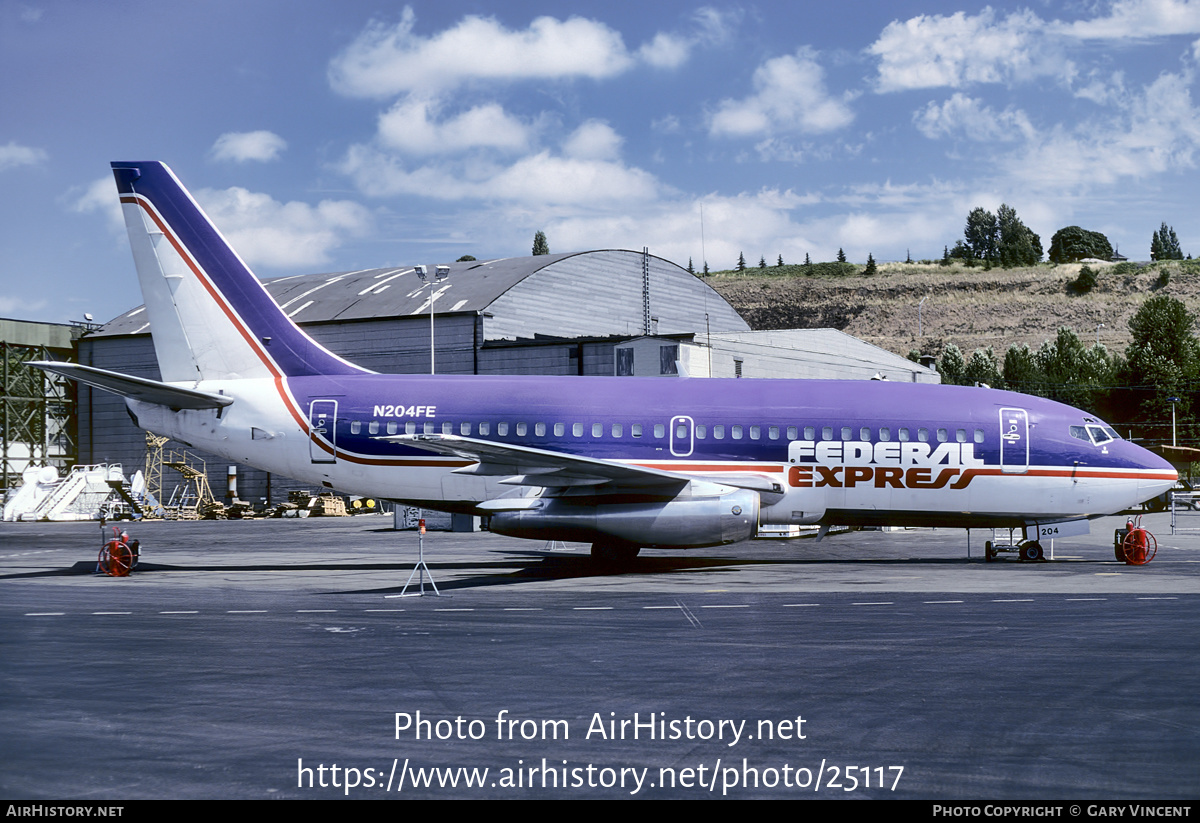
[1160, 475]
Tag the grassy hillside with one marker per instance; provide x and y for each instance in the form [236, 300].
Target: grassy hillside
[969, 307]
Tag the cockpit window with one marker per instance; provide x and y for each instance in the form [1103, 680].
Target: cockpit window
[1095, 433]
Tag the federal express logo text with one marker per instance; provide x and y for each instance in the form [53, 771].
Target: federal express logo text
[898, 465]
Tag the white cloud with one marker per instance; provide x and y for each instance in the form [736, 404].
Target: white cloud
[532, 182]
[971, 118]
[594, 140]
[13, 155]
[100, 196]
[789, 96]
[284, 235]
[410, 126]
[666, 51]
[930, 51]
[391, 59]
[1138, 19]
[240, 147]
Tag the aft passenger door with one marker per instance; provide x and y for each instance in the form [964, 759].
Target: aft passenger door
[322, 429]
[1014, 441]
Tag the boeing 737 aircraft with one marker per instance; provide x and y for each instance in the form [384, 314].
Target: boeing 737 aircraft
[622, 464]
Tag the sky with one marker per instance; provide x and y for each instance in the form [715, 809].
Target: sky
[327, 137]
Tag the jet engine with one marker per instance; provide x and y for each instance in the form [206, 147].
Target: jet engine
[679, 523]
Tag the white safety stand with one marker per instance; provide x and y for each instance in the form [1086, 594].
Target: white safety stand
[420, 568]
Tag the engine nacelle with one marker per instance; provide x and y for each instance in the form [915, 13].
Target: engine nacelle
[681, 523]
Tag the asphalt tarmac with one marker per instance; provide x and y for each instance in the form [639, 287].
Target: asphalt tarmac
[276, 659]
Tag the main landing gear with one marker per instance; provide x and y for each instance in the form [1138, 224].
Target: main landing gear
[614, 554]
[1028, 550]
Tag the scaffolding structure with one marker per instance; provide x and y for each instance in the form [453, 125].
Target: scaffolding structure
[37, 412]
[193, 499]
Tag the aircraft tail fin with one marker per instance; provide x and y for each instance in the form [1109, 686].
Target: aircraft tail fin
[209, 315]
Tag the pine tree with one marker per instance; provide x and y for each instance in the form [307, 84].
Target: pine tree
[779, 262]
[945, 255]
[741, 264]
[807, 259]
[762, 262]
[706, 268]
[1165, 244]
[908, 256]
[540, 246]
[841, 256]
[690, 269]
[870, 269]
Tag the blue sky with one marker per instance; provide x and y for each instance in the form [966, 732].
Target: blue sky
[329, 137]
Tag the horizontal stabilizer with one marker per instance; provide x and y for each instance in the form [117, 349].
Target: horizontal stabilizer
[138, 388]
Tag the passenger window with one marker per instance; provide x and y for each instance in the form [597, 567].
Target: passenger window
[792, 433]
[773, 432]
[736, 432]
[410, 428]
[464, 429]
[681, 431]
[718, 432]
[355, 427]
[979, 435]
[810, 433]
[864, 434]
[597, 430]
[485, 429]
[502, 429]
[827, 432]
[447, 428]
[539, 429]
[885, 435]
[373, 427]
[847, 433]
[392, 428]
[617, 429]
[559, 429]
[923, 435]
[756, 432]
[577, 429]
[943, 435]
[660, 430]
[701, 432]
[636, 429]
[428, 428]
[521, 429]
[960, 435]
[903, 435]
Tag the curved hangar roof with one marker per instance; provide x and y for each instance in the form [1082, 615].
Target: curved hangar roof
[595, 293]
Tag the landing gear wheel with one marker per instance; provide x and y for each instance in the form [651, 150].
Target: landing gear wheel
[1031, 550]
[989, 553]
[614, 555]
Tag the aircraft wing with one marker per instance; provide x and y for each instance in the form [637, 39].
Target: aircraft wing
[540, 467]
[138, 388]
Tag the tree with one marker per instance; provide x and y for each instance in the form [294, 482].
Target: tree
[466, 258]
[1020, 370]
[982, 368]
[870, 269]
[1072, 244]
[1085, 282]
[540, 246]
[1164, 245]
[952, 365]
[908, 256]
[841, 258]
[741, 264]
[762, 262]
[690, 269]
[706, 267]
[807, 259]
[779, 262]
[999, 239]
[945, 256]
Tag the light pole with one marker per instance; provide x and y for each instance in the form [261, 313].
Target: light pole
[1173, 401]
[440, 274]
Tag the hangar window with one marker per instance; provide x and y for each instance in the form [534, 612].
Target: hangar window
[597, 430]
[522, 428]
[356, 427]
[539, 429]
[560, 429]
[660, 430]
[636, 429]
[485, 429]
[373, 427]
[718, 432]
[577, 429]
[392, 428]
